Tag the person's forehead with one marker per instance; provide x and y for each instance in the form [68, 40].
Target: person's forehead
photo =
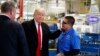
[65, 20]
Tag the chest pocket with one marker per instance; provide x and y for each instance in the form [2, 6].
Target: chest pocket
[65, 41]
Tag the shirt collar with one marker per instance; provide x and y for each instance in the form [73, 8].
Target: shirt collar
[4, 14]
[67, 31]
[36, 22]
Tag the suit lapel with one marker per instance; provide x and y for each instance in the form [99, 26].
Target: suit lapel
[33, 29]
[43, 33]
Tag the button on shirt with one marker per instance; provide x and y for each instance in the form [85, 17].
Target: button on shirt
[68, 40]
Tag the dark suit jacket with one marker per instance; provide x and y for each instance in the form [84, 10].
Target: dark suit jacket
[12, 38]
[31, 33]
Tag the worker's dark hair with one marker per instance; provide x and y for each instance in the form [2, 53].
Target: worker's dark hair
[70, 19]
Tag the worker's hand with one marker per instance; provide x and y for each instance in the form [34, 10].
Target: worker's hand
[59, 54]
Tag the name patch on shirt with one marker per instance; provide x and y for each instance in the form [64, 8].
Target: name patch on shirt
[67, 37]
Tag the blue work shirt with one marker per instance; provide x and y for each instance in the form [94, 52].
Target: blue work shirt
[68, 40]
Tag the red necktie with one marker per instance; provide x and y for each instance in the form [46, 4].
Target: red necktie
[38, 52]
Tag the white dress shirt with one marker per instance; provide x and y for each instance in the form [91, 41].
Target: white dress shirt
[36, 23]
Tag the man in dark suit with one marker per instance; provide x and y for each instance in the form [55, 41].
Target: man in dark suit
[12, 36]
[38, 34]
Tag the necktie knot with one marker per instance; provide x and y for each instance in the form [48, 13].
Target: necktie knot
[39, 24]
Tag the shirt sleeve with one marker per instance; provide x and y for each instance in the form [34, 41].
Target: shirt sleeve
[75, 42]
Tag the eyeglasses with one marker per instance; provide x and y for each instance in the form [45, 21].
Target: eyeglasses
[64, 22]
